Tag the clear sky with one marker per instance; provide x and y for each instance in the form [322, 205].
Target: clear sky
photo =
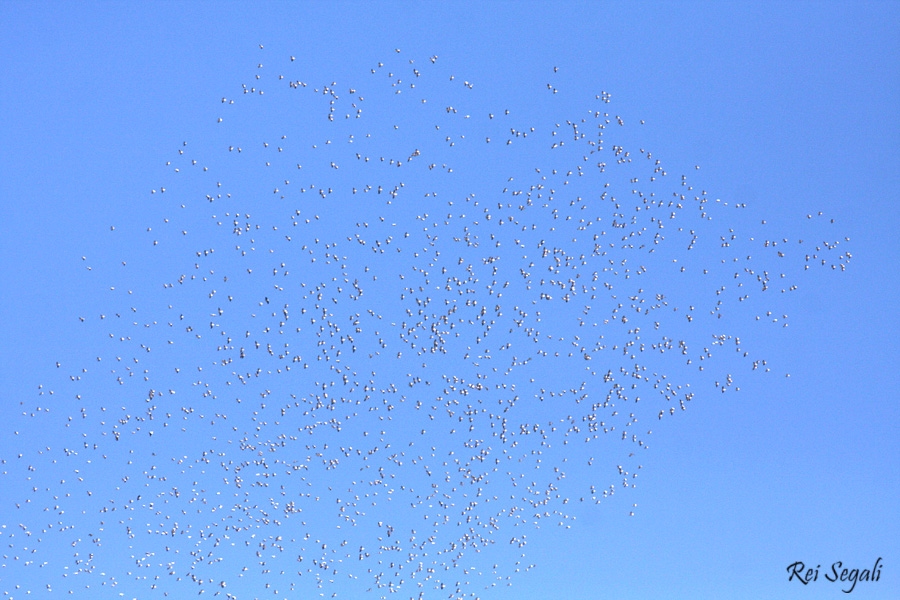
[366, 300]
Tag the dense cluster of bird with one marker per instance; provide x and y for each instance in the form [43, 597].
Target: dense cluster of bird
[399, 331]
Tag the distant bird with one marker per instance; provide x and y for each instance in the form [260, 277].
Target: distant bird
[375, 374]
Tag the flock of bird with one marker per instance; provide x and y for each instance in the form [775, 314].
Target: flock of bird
[397, 333]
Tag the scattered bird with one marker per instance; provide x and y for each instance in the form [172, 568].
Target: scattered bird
[369, 377]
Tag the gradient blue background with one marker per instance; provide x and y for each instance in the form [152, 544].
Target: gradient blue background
[789, 107]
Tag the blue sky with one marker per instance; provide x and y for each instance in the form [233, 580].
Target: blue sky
[787, 109]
